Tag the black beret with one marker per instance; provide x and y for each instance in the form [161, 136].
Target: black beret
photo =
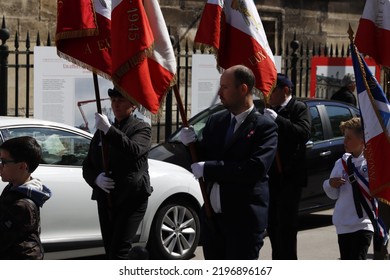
[282, 80]
[113, 92]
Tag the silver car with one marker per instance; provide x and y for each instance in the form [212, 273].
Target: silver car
[70, 226]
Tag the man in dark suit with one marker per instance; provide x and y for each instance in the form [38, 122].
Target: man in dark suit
[288, 172]
[236, 151]
[122, 195]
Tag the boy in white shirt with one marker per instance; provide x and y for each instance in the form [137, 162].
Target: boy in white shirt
[353, 226]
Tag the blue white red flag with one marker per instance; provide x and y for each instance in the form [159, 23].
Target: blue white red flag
[233, 29]
[375, 114]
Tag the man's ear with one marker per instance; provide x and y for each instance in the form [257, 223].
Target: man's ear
[286, 91]
[244, 89]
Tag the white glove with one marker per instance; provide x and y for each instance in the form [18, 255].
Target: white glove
[102, 122]
[197, 169]
[105, 183]
[271, 113]
[187, 135]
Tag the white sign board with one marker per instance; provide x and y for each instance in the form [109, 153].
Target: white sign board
[205, 81]
[64, 92]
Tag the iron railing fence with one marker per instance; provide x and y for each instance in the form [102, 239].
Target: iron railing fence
[16, 76]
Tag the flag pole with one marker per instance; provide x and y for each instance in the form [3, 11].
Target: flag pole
[194, 157]
[104, 143]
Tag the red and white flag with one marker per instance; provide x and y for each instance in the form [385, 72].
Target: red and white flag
[233, 28]
[83, 34]
[375, 113]
[143, 61]
[373, 34]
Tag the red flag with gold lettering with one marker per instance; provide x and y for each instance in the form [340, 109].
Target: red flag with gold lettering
[144, 64]
[233, 28]
[83, 34]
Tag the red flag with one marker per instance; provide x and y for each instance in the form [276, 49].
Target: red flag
[144, 64]
[83, 34]
[373, 34]
[233, 28]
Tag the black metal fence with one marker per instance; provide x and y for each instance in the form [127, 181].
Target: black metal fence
[16, 76]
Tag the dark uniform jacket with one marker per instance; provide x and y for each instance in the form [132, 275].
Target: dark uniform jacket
[128, 147]
[294, 126]
[240, 166]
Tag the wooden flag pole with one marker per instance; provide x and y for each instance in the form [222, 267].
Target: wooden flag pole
[194, 157]
[104, 143]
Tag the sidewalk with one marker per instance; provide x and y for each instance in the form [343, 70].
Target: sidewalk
[318, 243]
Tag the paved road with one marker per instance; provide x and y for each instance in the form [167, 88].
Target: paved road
[317, 239]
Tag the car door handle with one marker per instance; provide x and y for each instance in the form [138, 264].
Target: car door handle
[326, 153]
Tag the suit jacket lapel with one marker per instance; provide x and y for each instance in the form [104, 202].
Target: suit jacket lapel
[241, 128]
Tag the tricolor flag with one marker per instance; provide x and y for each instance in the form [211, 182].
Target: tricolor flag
[83, 34]
[373, 33]
[143, 61]
[234, 30]
[375, 114]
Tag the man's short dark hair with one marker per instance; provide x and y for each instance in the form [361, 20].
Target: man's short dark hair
[24, 149]
[244, 75]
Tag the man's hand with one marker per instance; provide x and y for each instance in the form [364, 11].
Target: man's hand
[105, 183]
[102, 122]
[197, 169]
[187, 135]
[271, 113]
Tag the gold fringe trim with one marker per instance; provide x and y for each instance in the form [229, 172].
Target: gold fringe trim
[125, 95]
[384, 201]
[132, 62]
[77, 34]
[204, 48]
[379, 190]
[160, 111]
[83, 65]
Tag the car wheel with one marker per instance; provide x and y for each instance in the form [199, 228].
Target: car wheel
[175, 232]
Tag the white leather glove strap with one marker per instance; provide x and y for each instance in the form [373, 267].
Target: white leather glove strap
[271, 113]
[197, 169]
[187, 135]
[104, 182]
[102, 122]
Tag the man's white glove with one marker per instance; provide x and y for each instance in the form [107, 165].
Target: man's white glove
[102, 122]
[187, 135]
[271, 113]
[197, 169]
[105, 183]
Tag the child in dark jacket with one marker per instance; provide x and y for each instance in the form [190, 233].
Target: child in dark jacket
[20, 200]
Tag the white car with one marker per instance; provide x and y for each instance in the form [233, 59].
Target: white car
[70, 226]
